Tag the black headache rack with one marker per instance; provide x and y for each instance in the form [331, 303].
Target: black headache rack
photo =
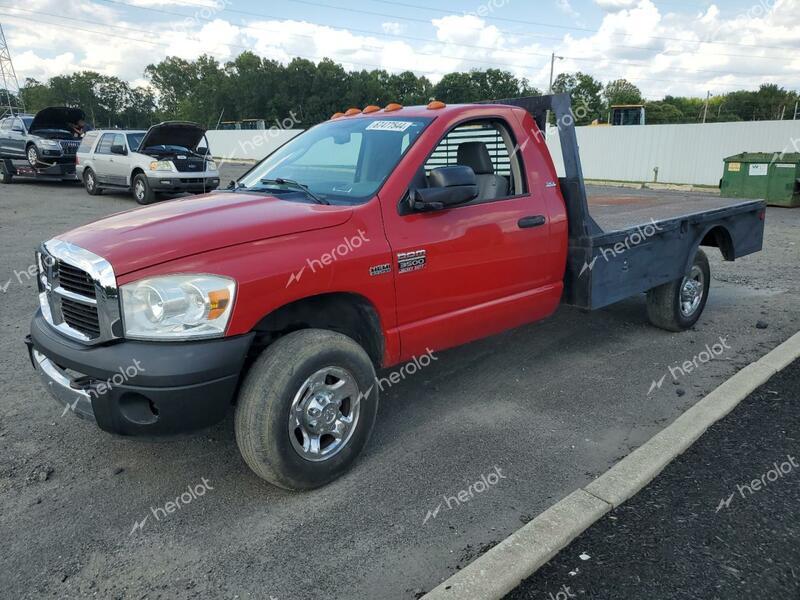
[628, 257]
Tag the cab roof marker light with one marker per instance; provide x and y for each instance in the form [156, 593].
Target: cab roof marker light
[352, 111]
[371, 109]
[392, 107]
[337, 115]
[436, 105]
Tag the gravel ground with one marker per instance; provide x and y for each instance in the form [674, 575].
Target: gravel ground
[701, 529]
[551, 405]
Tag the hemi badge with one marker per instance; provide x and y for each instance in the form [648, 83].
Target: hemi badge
[380, 269]
[550, 184]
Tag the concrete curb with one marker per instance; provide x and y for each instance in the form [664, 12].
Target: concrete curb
[501, 569]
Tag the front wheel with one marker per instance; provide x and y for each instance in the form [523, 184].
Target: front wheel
[306, 409]
[33, 156]
[142, 192]
[677, 305]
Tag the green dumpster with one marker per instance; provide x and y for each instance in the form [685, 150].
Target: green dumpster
[771, 177]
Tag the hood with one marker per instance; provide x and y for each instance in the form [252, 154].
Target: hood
[174, 133]
[162, 232]
[56, 117]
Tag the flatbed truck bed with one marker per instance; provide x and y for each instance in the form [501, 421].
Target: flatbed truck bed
[627, 242]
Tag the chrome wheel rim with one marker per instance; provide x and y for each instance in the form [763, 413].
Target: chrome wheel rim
[32, 157]
[138, 190]
[692, 289]
[324, 414]
[89, 181]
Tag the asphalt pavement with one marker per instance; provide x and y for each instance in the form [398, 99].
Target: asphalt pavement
[548, 406]
[720, 522]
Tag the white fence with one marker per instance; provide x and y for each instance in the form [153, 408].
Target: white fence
[248, 144]
[683, 153]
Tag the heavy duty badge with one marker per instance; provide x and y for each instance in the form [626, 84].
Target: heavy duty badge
[411, 261]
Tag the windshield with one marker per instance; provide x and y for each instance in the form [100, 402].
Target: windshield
[134, 139]
[345, 160]
[27, 121]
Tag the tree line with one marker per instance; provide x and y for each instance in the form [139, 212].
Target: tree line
[251, 87]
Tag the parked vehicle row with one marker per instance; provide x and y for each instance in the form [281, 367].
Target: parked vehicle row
[371, 239]
[168, 158]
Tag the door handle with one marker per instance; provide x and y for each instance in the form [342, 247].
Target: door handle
[534, 221]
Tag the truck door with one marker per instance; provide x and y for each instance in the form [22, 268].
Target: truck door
[482, 267]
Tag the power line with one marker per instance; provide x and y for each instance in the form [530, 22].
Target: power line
[317, 58]
[437, 55]
[421, 39]
[524, 22]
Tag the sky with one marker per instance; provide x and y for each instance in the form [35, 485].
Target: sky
[677, 47]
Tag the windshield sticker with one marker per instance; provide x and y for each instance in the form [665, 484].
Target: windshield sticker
[389, 125]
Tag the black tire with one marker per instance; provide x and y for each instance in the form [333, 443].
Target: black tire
[32, 154]
[142, 192]
[90, 183]
[664, 306]
[262, 421]
[5, 176]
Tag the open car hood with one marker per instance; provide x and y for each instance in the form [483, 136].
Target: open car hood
[173, 133]
[56, 117]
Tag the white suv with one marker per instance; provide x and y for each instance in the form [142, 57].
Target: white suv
[167, 158]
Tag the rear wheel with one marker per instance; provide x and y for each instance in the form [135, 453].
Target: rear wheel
[142, 192]
[5, 176]
[677, 305]
[90, 183]
[306, 409]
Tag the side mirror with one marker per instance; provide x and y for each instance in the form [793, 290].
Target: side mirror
[450, 186]
[118, 149]
[202, 151]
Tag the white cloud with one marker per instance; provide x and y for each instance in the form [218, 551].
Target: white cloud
[393, 28]
[565, 7]
[615, 5]
[662, 52]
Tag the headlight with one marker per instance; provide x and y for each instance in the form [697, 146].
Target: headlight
[50, 143]
[162, 165]
[211, 166]
[177, 307]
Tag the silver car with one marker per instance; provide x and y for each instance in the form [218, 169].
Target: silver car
[168, 158]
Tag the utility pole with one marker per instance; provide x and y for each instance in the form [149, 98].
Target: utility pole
[553, 58]
[705, 110]
[795, 109]
[10, 97]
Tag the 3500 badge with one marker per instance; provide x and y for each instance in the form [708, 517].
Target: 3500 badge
[411, 261]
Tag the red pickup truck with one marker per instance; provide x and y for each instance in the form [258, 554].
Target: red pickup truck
[371, 239]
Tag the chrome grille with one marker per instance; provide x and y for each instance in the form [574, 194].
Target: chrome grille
[78, 293]
[69, 147]
[75, 280]
[82, 317]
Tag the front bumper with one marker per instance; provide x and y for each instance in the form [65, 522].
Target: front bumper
[184, 182]
[140, 388]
